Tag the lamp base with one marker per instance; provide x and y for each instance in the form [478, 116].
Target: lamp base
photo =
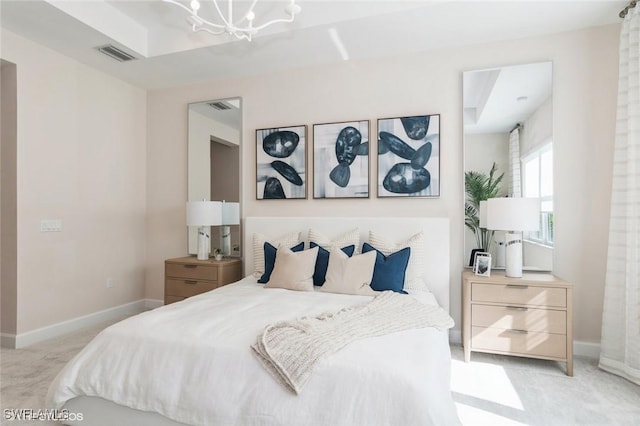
[225, 240]
[203, 243]
[513, 254]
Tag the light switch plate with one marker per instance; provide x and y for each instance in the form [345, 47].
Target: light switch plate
[49, 225]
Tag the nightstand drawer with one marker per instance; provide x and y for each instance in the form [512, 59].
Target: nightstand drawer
[520, 318]
[192, 271]
[519, 294]
[516, 342]
[187, 288]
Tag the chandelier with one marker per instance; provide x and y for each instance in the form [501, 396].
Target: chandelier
[243, 29]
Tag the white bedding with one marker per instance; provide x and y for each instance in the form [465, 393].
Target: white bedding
[191, 362]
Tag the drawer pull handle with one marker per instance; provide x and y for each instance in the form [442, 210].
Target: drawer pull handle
[517, 308]
[191, 266]
[518, 286]
[518, 331]
[190, 282]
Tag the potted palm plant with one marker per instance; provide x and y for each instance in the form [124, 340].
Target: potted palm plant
[479, 187]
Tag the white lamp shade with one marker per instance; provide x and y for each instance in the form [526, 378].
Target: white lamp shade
[204, 213]
[513, 214]
[483, 214]
[230, 213]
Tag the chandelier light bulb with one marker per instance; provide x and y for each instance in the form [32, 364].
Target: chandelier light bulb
[251, 16]
[195, 5]
[292, 9]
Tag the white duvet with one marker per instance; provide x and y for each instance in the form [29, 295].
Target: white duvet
[191, 362]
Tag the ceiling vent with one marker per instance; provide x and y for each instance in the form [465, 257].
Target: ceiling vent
[115, 53]
[220, 106]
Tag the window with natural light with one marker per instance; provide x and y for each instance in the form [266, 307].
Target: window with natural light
[537, 177]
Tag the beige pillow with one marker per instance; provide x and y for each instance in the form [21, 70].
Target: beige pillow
[349, 275]
[288, 240]
[293, 270]
[416, 267]
[346, 239]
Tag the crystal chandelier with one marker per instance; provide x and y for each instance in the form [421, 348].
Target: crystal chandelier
[243, 29]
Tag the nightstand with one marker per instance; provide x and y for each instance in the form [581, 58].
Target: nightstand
[528, 317]
[187, 276]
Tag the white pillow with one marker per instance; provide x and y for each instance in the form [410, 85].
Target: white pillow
[349, 275]
[293, 270]
[288, 240]
[346, 239]
[416, 267]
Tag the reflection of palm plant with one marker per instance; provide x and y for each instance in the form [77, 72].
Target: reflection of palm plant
[479, 187]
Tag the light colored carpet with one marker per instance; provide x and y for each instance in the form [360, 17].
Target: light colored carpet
[502, 390]
[490, 390]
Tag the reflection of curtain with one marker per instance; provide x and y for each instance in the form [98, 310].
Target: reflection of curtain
[620, 346]
[515, 189]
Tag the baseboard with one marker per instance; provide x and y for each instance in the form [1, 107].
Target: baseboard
[55, 330]
[455, 336]
[153, 303]
[7, 340]
[586, 349]
[580, 349]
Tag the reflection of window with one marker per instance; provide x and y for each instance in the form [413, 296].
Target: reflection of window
[537, 176]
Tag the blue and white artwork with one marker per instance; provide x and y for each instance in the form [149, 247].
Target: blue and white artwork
[409, 156]
[341, 160]
[281, 163]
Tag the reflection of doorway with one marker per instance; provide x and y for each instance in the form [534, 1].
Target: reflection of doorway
[225, 184]
[8, 203]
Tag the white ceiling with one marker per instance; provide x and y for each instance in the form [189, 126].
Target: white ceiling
[170, 55]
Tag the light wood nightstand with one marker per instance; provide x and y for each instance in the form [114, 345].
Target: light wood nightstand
[529, 316]
[187, 276]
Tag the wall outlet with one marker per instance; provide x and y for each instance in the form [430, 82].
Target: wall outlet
[109, 282]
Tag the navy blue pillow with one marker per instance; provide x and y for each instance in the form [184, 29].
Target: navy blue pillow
[270, 260]
[389, 271]
[322, 262]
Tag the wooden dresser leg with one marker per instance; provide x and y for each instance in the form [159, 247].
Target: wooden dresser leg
[570, 367]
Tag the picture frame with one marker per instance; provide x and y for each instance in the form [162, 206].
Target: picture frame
[281, 163]
[482, 264]
[409, 156]
[341, 159]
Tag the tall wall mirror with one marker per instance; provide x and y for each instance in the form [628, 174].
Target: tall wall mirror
[508, 123]
[215, 132]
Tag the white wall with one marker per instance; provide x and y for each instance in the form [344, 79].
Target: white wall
[585, 83]
[81, 158]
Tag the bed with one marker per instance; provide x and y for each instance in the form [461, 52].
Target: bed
[192, 362]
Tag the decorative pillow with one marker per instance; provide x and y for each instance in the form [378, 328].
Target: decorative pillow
[270, 253]
[323, 261]
[416, 267]
[389, 271]
[293, 270]
[346, 239]
[349, 275]
[287, 240]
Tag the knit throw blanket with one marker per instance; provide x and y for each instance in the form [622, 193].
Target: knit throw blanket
[289, 350]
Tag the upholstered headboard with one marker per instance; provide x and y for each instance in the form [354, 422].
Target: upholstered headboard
[436, 231]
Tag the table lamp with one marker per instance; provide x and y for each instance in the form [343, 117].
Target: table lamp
[513, 215]
[204, 214]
